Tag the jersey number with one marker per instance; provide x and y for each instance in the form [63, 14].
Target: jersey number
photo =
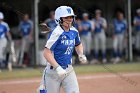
[69, 50]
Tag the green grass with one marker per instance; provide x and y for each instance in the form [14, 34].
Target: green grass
[133, 67]
[87, 69]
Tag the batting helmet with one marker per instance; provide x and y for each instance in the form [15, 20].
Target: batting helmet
[63, 11]
[1, 15]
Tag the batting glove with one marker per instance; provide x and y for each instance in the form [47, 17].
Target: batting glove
[82, 59]
[60, 71]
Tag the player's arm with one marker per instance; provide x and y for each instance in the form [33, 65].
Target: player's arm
[8, 34]
[79, 50]
[31, 31]
[81, 56]
[50, 58]
[104, 24]
[49, 47]
[135, 22]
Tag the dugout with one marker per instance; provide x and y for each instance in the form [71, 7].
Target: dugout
[108, 8]
[45, 6]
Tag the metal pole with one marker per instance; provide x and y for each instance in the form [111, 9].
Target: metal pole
[36, 30]
[130, 32]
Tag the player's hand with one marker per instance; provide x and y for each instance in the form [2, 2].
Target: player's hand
[82, 59]
[60, 71]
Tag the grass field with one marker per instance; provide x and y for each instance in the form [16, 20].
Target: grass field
[80, 69]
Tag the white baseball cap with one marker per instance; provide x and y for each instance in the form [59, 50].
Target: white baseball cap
[63, 11]
[85, 14]
[1, 15]
[138, 10]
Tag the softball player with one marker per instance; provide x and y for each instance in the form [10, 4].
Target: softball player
[120, 28]
[26, 28]
[58, 53]
[99, 36]
[137, 29]
[4, 30]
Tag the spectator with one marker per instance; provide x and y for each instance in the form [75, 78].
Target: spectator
[120, 27]
[99, 37]
[26, 29]
[4, 31]
[136, 23]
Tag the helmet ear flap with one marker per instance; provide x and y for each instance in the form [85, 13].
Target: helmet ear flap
[58, 21]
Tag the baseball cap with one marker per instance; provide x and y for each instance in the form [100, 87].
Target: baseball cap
[1, 15]
[85, 14]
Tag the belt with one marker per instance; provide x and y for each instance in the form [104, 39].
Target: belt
[64, 67]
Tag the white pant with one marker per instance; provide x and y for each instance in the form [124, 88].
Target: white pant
[100, 40]
[86, 41]
[24, 47]
[3, 44]
[118, 42]
[138, 40]
[53, 82]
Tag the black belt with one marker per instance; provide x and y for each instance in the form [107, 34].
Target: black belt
[64, 67]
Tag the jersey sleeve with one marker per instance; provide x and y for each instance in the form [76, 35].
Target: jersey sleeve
[52, 41]
[7, 26]
[77, 39]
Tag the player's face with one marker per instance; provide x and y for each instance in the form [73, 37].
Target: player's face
[98, 15]
[67, 21]
[85, 17]
[0, 20]
[139, 14]
[26, 17]
[120, 16]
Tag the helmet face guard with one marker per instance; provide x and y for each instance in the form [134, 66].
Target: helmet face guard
[63, 11]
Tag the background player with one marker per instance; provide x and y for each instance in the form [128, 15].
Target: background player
[85, 34]
[26, 29]
[136, 23]
[51, 21]
[120, 27]
[58, 53]
[4, 31]
[99, 36]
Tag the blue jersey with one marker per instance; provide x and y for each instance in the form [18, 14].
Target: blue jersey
[51, 23]
[99, 25]
[62, 44]
[137, 19]
[86, 25]
[4, 28]
[25, 27]
[119, 26]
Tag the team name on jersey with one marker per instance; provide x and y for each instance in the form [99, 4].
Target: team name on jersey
[64, 41]
[68, 42]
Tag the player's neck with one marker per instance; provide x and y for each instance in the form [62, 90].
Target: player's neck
[65, 28]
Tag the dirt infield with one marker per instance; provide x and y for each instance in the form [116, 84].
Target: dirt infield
[95, 83]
